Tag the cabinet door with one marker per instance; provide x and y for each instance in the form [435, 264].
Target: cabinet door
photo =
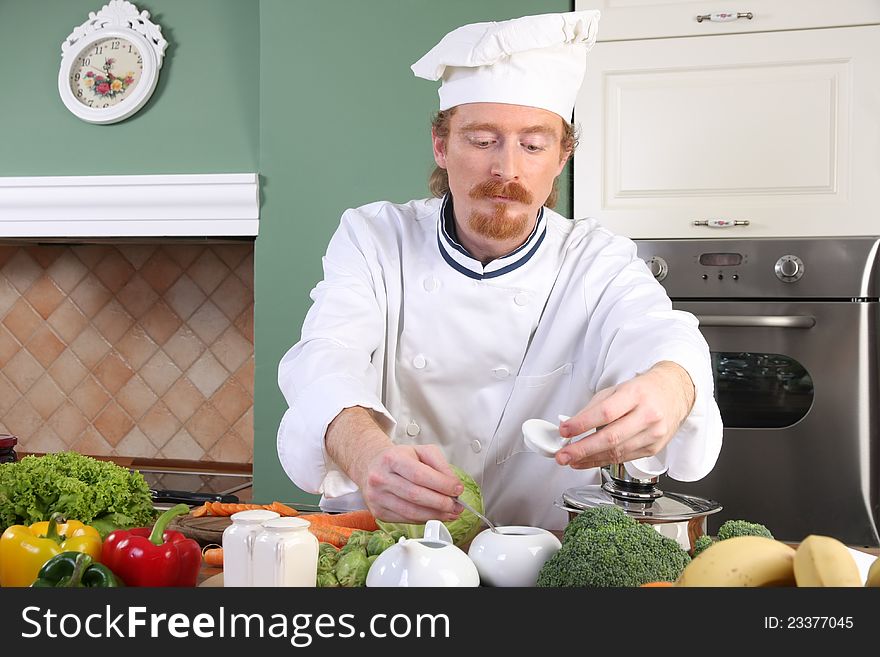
[649, 19]
[778, 129]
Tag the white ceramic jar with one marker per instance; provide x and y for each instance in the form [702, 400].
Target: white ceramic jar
[513, 557]
[285, 554]
[238, 543]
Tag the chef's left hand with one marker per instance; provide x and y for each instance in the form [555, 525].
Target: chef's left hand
[637, 418]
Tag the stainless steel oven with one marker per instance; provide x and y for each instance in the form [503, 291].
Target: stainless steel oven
[792, 325]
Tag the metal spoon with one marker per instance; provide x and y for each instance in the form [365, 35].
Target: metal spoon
[478, 514]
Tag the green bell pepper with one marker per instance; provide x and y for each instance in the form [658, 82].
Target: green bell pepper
[75, 569]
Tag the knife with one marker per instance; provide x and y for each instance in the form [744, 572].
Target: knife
[186, 497]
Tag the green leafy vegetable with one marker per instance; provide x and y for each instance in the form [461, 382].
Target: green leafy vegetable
[79, 487]
[352, 568]
[380, 541]
[463, 529]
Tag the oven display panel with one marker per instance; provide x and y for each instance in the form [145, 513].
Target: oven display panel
[721, 259]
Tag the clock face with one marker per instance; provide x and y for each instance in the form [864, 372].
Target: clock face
[106, 73]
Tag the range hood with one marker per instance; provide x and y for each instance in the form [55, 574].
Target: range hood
[186, 205]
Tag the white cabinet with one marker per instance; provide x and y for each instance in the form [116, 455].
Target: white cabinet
[648, 19]
[777, 129]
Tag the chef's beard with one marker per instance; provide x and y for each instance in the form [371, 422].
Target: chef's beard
[501, 224]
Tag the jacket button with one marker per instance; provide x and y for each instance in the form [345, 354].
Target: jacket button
[476, 445]
[521, 298]
[419, 362]
[412, 429]
[501, 372]
[431, 284]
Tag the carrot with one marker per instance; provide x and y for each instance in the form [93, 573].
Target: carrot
[212, 555]
[336, 536]
[656, 584]
[223, 509]
[361, 519]
[228, 508]
[283, 509]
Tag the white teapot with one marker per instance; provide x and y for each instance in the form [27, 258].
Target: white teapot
[429, 561]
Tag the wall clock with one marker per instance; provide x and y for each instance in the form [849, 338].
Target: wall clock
[110, 64]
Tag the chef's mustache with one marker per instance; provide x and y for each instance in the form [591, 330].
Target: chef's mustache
[491, 188]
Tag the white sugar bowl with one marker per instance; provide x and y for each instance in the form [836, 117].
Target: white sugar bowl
[513, 556]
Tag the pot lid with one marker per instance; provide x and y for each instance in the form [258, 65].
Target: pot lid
[663, 507]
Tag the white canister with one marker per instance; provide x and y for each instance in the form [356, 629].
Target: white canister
[285, 554]
[238, 543]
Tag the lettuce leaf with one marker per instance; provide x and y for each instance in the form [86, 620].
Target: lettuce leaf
[463, 529]
[78, 486]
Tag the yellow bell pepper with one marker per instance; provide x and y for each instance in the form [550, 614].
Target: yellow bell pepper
[24, 550]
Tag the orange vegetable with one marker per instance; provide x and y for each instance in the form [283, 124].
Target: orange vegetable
[212, 555]
[336, 536]
[283, 509]
[223, 509]
[362, 519]
[657, 584]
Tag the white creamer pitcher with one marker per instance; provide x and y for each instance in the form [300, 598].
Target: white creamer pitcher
[285, 554]
[238, 545]
[429, 561]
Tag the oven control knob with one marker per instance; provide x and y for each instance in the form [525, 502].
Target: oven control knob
[789, 268]
[658, 267]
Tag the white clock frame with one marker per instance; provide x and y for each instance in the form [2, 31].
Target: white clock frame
[121, 19]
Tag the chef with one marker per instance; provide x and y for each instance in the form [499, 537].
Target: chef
[441, 325]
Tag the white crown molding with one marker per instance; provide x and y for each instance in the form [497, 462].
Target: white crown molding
[187, 205]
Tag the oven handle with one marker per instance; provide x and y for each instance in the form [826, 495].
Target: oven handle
[758, 321]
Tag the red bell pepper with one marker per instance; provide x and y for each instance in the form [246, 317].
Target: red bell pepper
[147, 556]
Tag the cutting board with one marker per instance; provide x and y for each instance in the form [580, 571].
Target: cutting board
[206, 530]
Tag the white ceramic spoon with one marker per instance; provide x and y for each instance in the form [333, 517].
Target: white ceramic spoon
[542, 437]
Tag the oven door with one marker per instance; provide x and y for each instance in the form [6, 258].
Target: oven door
[796, 383]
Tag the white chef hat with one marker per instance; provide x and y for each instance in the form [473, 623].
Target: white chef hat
[538, 61]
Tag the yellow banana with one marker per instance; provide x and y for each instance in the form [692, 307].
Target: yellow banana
[825, 561]
[742, 561]
[873, 579]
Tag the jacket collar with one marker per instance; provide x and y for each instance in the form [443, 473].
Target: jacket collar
[457, 257]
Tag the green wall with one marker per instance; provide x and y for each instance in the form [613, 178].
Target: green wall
[316, 96]
[343, 122]
[203, 116]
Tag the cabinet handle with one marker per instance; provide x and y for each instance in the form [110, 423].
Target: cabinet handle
[721, 223]
[725, 16]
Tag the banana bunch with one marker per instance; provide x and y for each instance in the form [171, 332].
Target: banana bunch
[742, 561]
[760, 561]
[825, 561]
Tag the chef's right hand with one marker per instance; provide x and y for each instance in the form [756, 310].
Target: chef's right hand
[410, 483]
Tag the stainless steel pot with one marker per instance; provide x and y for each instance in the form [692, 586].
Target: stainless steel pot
[677, 516]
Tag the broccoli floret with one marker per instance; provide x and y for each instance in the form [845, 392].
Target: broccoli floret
[605, 517]
[702, 543]
[732, 528]
[605, 547]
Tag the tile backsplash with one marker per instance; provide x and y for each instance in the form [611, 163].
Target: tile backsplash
[138, 350]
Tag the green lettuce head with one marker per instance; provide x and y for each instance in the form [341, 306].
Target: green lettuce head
[463, 529]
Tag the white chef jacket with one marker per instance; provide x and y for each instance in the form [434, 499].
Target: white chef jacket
[450, 352]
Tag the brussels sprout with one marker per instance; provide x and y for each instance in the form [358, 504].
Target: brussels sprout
[352, 568]
[327, 579]
[358, 538]
[379, 542]
[328, 555]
